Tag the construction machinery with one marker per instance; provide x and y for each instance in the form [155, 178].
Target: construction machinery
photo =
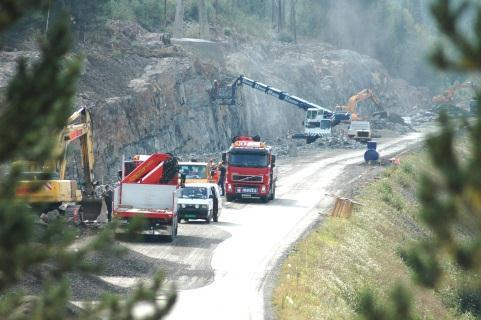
[148, 190]
[363, 95]
[447, 97]
[318, 121]
[57, 192]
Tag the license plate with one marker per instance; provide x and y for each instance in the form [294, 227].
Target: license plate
[246, 190]
[190, 215]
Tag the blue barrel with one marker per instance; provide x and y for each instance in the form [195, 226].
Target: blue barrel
[371, 145]
[371, 155]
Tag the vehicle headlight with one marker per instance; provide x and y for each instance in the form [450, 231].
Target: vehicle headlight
[197, 206]
[203, 206]
[183, 205]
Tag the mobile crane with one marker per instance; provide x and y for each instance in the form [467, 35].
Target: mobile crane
[50, 194]
[318, 121]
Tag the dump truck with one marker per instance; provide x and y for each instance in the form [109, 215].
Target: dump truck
[250, 170]
[148, 190]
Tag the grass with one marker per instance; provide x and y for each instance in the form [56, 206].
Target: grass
[326, 272]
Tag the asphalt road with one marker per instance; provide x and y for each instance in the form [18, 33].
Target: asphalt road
[224, 270]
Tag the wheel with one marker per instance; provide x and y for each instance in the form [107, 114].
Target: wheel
[209, 218]
[229, 198]
[273, 194]
[173, 232]
[265, 199]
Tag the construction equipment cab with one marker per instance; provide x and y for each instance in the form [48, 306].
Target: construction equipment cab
[250, 170]
[196, 172]
[148, 189]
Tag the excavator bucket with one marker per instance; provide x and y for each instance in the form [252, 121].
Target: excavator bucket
[90, 209]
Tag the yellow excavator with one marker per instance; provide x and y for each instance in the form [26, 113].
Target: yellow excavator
[361, 96]
[58, 192]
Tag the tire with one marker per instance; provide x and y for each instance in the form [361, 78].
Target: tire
[273, 194]
[265, 199]
[173, 233]
[229, 198]
[209, 218]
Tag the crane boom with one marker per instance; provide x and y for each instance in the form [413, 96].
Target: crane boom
[279, 94]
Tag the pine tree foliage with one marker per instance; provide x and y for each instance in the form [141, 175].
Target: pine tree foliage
[450, 198]
[37, 102]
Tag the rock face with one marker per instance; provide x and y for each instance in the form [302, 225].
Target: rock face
[149, 93]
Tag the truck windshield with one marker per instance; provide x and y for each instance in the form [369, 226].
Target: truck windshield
[194, 171]
[193, 193]
[256, 160]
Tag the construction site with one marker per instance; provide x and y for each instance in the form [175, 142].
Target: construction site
[221, 154]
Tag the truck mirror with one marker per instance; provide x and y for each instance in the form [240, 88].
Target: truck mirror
[224, 156]
[302, 123]
[273, 161]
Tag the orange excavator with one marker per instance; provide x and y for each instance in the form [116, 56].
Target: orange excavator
[361, 96]
[447, 97]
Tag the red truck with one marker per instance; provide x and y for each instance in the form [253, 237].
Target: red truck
[148, 189]
[250, 170]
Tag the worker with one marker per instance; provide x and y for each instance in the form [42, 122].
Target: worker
[108, 198]
[221, 182]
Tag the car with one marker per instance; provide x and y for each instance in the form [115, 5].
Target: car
[199, 201]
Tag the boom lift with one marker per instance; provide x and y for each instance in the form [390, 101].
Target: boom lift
[318, 121]
[50, 194]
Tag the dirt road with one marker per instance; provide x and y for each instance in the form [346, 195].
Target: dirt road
[225, 270]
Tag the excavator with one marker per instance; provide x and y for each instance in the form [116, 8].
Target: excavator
[318, 121]
[359, 97]
[447, 97]
[58, 193]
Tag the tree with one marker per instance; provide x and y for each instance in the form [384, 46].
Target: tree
[292, 19]
[203, 23]
[179, 19]
[451, 198]
[37, 102]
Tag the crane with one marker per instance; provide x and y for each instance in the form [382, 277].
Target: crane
[318, 121]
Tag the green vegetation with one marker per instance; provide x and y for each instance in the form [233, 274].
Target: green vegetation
[327, 272]
[37, 102]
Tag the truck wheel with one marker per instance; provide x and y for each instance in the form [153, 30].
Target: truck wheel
[229, 198]
[273, 194]
[265, 199]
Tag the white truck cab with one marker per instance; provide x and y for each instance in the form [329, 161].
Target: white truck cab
[199, 201]
[360, 131]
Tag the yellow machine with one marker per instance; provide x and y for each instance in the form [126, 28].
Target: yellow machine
[49, 194]
[361, 96]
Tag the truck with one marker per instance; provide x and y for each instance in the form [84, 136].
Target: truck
[250, 170]
[360, 131]
[194, 171]
[148, 189]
